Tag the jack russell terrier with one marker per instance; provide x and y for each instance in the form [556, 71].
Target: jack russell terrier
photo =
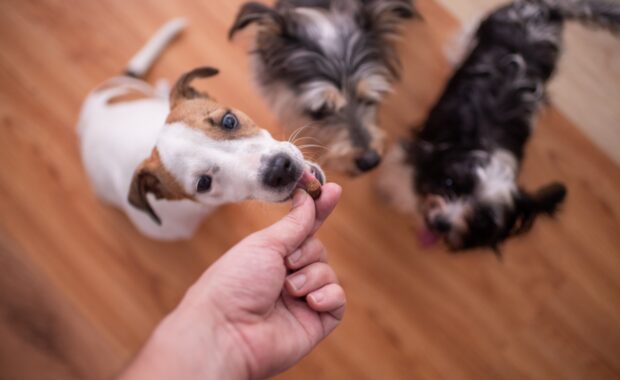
[169, 161]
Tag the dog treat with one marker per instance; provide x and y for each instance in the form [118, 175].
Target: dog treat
[314, 189]
[311, 185]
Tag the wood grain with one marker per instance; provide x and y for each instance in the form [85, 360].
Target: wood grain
[81, 290]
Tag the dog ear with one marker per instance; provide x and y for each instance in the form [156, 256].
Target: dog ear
[546, 200]
[152, 177]
[253, 12]
[183, 90]
[386, 15]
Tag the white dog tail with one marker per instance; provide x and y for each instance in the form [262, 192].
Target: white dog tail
[140, 64]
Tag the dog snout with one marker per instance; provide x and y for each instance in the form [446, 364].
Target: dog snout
[441, 225]
[281, 171]
[368, 161]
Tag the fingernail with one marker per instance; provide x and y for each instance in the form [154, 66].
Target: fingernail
[299, 198]
[294, 257]
[317, 297]
[297, 281]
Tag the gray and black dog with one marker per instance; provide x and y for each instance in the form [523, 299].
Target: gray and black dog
[327, 65]
[460, 168]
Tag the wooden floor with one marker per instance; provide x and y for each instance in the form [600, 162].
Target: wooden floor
[80, 289]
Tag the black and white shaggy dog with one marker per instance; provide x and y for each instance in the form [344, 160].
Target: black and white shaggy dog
[460, 169]
[326, 65]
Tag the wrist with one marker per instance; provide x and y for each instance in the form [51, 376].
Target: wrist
[191, 344]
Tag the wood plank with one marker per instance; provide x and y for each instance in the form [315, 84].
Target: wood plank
[84, 289]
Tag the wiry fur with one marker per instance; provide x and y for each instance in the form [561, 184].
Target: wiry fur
[467, 155]
[328, 64]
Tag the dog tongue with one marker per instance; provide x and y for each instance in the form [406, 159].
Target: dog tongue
[310, 184]
[427, 238]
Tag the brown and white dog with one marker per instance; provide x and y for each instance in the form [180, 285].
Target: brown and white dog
[169, 161]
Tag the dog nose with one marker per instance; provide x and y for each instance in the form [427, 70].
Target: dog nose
[368, 161]
[281, 171]
[442, 225]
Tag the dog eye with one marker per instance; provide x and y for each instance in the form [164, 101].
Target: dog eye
[204, 184]
[448, 182]
[319, 114]
[230, 121]
[369, 102]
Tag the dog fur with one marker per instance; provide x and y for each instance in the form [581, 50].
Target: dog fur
[167, 162]
[465, 160]
[327, 65]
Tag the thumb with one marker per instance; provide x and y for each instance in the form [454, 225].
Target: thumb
[292, 230]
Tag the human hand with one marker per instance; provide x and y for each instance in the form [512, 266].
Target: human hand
[259, 309]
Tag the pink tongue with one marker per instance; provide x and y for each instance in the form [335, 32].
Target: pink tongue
[427, 238]
[305, 179]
